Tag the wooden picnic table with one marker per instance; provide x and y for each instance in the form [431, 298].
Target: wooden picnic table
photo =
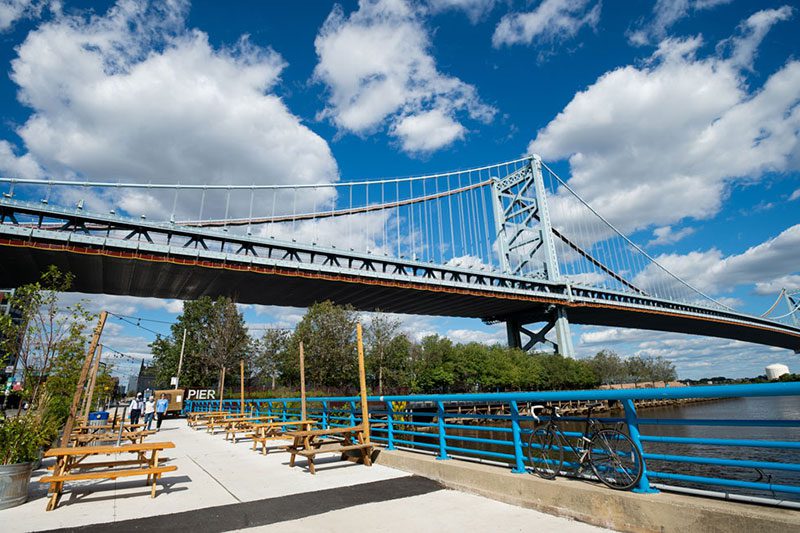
[85, 428]
[194, 418]
[275, 430]
[309, 443]
[69, 459]
[232, 421]
[108, 436]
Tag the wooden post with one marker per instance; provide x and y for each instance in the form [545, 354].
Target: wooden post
[241, 385]
[362, 378]
[92, 382]
[221, 387]
[73, 410]
[302, 383]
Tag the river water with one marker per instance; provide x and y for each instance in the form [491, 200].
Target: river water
[774, 408]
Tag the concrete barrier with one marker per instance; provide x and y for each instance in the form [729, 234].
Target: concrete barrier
[595, 504]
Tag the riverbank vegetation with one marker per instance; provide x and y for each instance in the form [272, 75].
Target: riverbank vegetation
[216, 336]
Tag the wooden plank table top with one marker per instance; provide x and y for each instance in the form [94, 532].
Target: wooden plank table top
[329, 431]
[350, 438]
[69, 459]
[101, 450]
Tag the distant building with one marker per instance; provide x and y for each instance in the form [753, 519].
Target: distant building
[775, 371]
[143, 380]
[9, 362]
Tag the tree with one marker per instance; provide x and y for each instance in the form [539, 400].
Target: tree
[46, 331]
[227, 339]
[271, 353]
[328, 334]
[387, 352]
[215, 336]
[608, 367]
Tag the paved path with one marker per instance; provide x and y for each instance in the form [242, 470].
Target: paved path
[220, 486]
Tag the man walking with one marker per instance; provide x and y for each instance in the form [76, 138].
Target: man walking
[161, 410]
[136, 408]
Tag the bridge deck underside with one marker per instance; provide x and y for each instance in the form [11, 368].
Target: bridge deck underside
[104, 274]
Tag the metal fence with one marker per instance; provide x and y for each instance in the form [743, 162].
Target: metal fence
[433, 423]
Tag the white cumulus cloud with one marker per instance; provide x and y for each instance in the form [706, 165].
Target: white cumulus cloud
[474, 9]
[136, 95]
[656, 143]
[378, 68]
[552, 21]
[665, 14]
[768, 264]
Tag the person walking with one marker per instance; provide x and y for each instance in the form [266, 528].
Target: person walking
[161, 410]
[149, 412]
[136, 408]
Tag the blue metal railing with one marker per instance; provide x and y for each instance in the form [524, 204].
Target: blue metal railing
[425, 425]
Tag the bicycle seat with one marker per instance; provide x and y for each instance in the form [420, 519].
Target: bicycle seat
[552, 408]
[592, 405]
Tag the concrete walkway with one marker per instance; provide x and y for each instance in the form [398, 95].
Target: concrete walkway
[220, 486]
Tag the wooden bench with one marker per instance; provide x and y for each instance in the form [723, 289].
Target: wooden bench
[232, 421]
[263, 433]
[71, 459]
[198, 418]
[136, 437]
[335, 440]
[243, 425]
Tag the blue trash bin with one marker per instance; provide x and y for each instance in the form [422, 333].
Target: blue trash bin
[98, 418]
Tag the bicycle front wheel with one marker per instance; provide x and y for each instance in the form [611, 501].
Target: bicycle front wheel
[544, 452]
[615, 459]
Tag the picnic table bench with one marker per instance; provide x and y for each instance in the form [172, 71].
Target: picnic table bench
[232, 421]
[309, 443]
[242, 425]
[196, 418]
[264, 432]
[71, 459]
[86, 428]
[135, 437]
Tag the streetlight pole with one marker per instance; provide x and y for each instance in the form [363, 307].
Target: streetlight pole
[180, 361]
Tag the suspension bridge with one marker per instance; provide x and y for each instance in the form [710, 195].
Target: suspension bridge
[509, 242]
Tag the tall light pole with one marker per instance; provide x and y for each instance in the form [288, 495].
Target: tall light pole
[180, 361]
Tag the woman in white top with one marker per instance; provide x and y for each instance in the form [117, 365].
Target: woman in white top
[149, 412]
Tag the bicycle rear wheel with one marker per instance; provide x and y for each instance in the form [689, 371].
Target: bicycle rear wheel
[544, 452]
[615, 459]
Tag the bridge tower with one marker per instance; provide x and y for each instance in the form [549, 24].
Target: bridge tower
[793, 301]
[526, 248]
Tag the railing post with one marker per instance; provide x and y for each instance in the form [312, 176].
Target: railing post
[516, 432]
[283, 411]
[633, 428]
[352, 413]
[269, 408]
[325, 415]
[442, 435]
[390, 426]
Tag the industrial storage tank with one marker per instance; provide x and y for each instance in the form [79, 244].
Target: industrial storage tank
[775, 371]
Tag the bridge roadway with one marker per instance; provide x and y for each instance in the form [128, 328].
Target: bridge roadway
[113, 255]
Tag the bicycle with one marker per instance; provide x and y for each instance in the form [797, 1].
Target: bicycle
[610, 453]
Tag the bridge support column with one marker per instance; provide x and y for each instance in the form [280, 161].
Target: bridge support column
[557, 319]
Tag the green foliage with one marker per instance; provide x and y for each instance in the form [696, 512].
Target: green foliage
[271, 356]
[215, 337]
[50, 342]
[22, 437]
[387, 353]
[328, 334]
[610, 368]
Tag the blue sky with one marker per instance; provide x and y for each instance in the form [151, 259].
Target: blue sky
[677, 119]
